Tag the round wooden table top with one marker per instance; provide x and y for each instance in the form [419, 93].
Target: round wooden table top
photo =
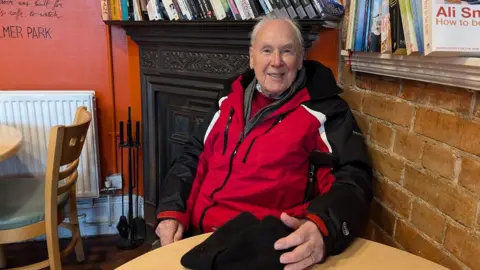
[361, 255]
[10, 141]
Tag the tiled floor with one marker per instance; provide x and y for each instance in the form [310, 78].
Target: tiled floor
[100, 253]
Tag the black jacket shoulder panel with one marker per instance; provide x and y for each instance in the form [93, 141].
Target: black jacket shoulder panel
[321, 82]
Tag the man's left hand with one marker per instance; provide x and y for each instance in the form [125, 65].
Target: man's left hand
[310, 247]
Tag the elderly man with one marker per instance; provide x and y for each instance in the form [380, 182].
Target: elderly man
[281, 142]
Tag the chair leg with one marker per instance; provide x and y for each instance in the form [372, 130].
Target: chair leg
[73, 217]
[3, 259]
[53, 246]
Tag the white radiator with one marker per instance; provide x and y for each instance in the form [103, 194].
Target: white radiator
[33, 113]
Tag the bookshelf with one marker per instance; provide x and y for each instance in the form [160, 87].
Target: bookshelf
[417, 40]
[217, 23]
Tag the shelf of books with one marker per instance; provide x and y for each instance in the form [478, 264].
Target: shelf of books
[428, 40]
[325, 13]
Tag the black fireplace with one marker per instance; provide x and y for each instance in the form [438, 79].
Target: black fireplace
[183, 65]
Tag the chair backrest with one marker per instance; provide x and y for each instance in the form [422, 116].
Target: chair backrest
[64, 148]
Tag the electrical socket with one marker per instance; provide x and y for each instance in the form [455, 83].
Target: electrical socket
[115, 180]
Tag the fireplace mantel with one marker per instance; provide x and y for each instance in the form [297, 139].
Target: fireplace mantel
[183, 65]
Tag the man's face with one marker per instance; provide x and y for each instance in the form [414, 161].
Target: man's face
[276, 57]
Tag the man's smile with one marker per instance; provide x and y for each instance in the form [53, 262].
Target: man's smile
[276, 75]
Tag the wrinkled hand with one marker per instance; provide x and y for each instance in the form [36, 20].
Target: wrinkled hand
[310, 247]
[169, 231]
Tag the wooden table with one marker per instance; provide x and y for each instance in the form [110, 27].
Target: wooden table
[10, 142]
[361, 255]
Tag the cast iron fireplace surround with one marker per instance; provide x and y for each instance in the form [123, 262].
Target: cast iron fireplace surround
[183, 65]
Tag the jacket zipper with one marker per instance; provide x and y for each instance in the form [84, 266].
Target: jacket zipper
[279, 119]
[225, 133]
[240, 139]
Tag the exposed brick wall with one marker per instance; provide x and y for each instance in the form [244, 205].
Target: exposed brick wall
[424, 140]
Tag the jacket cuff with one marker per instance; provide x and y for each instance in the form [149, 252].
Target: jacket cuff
[326, 233]
[319, 222]
[179, 216]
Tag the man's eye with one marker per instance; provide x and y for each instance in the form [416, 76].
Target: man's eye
[288, 51]
[266, 51]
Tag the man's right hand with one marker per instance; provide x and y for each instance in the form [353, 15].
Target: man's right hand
[169, 231]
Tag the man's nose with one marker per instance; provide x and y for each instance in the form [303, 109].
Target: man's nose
[276, 59]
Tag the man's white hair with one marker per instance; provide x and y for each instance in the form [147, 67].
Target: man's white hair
[263, 19]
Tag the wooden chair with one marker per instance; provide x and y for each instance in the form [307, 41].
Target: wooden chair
[31, 207]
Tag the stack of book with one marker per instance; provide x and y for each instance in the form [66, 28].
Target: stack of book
[138, 10]
[415, 27]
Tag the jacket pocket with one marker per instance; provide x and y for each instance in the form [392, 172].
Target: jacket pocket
[225, 132]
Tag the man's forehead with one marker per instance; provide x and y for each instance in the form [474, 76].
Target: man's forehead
[276, 32]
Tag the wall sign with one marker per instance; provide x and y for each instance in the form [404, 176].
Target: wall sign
[17, 12]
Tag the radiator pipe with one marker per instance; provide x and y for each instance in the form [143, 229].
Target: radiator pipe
[112, 89]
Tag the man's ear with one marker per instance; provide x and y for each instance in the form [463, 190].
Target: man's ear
[301, 58]
[250, 51]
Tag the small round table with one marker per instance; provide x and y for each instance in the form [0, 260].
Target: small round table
[361, 255]
[10, 142]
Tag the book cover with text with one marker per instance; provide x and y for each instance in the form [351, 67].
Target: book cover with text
[451, 27]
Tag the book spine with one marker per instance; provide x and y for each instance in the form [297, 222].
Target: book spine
[427, 27]
[290, 10]
[386, 43]
[269, 6]
[218, 9]
[203, 8]
[318, 4]
[241, 9]
[307, 5]
[104, 7]
[226, 8]
[159, 9]
[264, 6]
[174, 11]
[332, 7]
[299, 9]
[234, 9]
[406, 27]
[275, 8]
[367, 26]
[411, 28]
[143, 5]
[185, 9]
[181, 15]
[417, 15]
[361, 22]
[124, 10]
[282, 8]
[351, 26]
[210, 11]
[248, 8]
[152, 15]
[396, 26]
[168, 9]
[196, 9]
[256, 8]
[374, 31]
[114, 10]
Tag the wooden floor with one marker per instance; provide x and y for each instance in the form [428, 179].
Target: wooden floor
[100, 253]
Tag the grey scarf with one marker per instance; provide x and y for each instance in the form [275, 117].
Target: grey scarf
[298, 84]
